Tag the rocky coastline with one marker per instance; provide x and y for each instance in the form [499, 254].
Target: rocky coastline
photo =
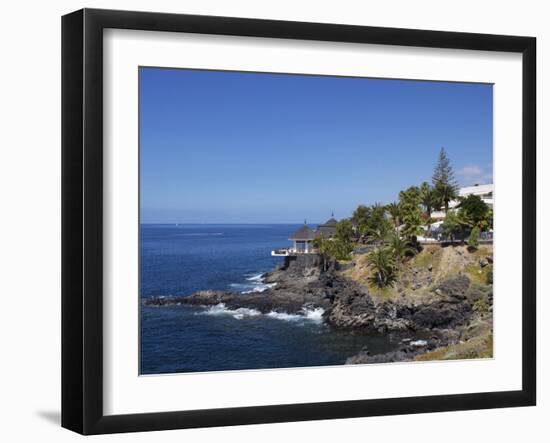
[442, 317]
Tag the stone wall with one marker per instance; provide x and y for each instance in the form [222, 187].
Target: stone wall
[300, 262]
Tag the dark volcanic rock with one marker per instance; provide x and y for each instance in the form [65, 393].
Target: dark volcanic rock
[441, 315]
[407, 349]
[347, 304]
[455, 287]
[303, 283]
[475, 294]
[365, 357]
[267, 301]
[296, 268]
[451, 309]
[353, 308]
[290, 294]
[209, 297]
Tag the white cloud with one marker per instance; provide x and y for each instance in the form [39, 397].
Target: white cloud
[474, 174]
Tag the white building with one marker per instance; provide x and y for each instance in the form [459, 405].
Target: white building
[485, 192]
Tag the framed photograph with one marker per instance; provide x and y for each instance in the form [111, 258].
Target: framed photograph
[269, 221]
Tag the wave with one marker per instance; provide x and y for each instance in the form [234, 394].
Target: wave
[239, 314]
[260, 288]
[248, 288]
[314, 315]
[256, 284]
[257, 277]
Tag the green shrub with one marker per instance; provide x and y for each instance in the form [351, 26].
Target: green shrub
[473, 239]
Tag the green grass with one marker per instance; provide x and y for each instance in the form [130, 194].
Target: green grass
[425, 259]
[385, 292]
[482, 252]
[477, 274]
[478, 347]
[422, 260]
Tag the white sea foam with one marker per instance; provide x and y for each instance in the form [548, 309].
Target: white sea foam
[259, 288]
[314, 315]
[306, 314]
[257, 277]
[285, 316]
[256, 284]
[239, 314]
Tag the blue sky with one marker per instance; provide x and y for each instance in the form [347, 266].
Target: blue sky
[231, 147]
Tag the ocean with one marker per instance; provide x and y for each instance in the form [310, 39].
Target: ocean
[182, 259]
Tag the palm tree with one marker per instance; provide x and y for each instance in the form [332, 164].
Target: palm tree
[395, 212]
[324, 248]
[382, 264]
[451, 225]
[412, 219]
[380, 234]
[400, 248]
[444, 193]
[429, 201]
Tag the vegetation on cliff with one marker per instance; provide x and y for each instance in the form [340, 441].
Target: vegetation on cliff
[439, 279]
[391, 231]
[447, 290]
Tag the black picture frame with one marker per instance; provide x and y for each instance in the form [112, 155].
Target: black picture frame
[82, 218]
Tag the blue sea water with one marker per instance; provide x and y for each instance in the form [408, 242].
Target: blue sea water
[182, 259]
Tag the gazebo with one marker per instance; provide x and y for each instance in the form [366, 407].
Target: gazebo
[303, 240]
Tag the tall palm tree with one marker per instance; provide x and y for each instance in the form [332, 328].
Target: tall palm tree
[427, 196]
[400, 248]
[383, 267]
[452, 225]
[429, 200]
[412, 219]
[325, 250]
[395, 212]
[380, 234]
[445, 193]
